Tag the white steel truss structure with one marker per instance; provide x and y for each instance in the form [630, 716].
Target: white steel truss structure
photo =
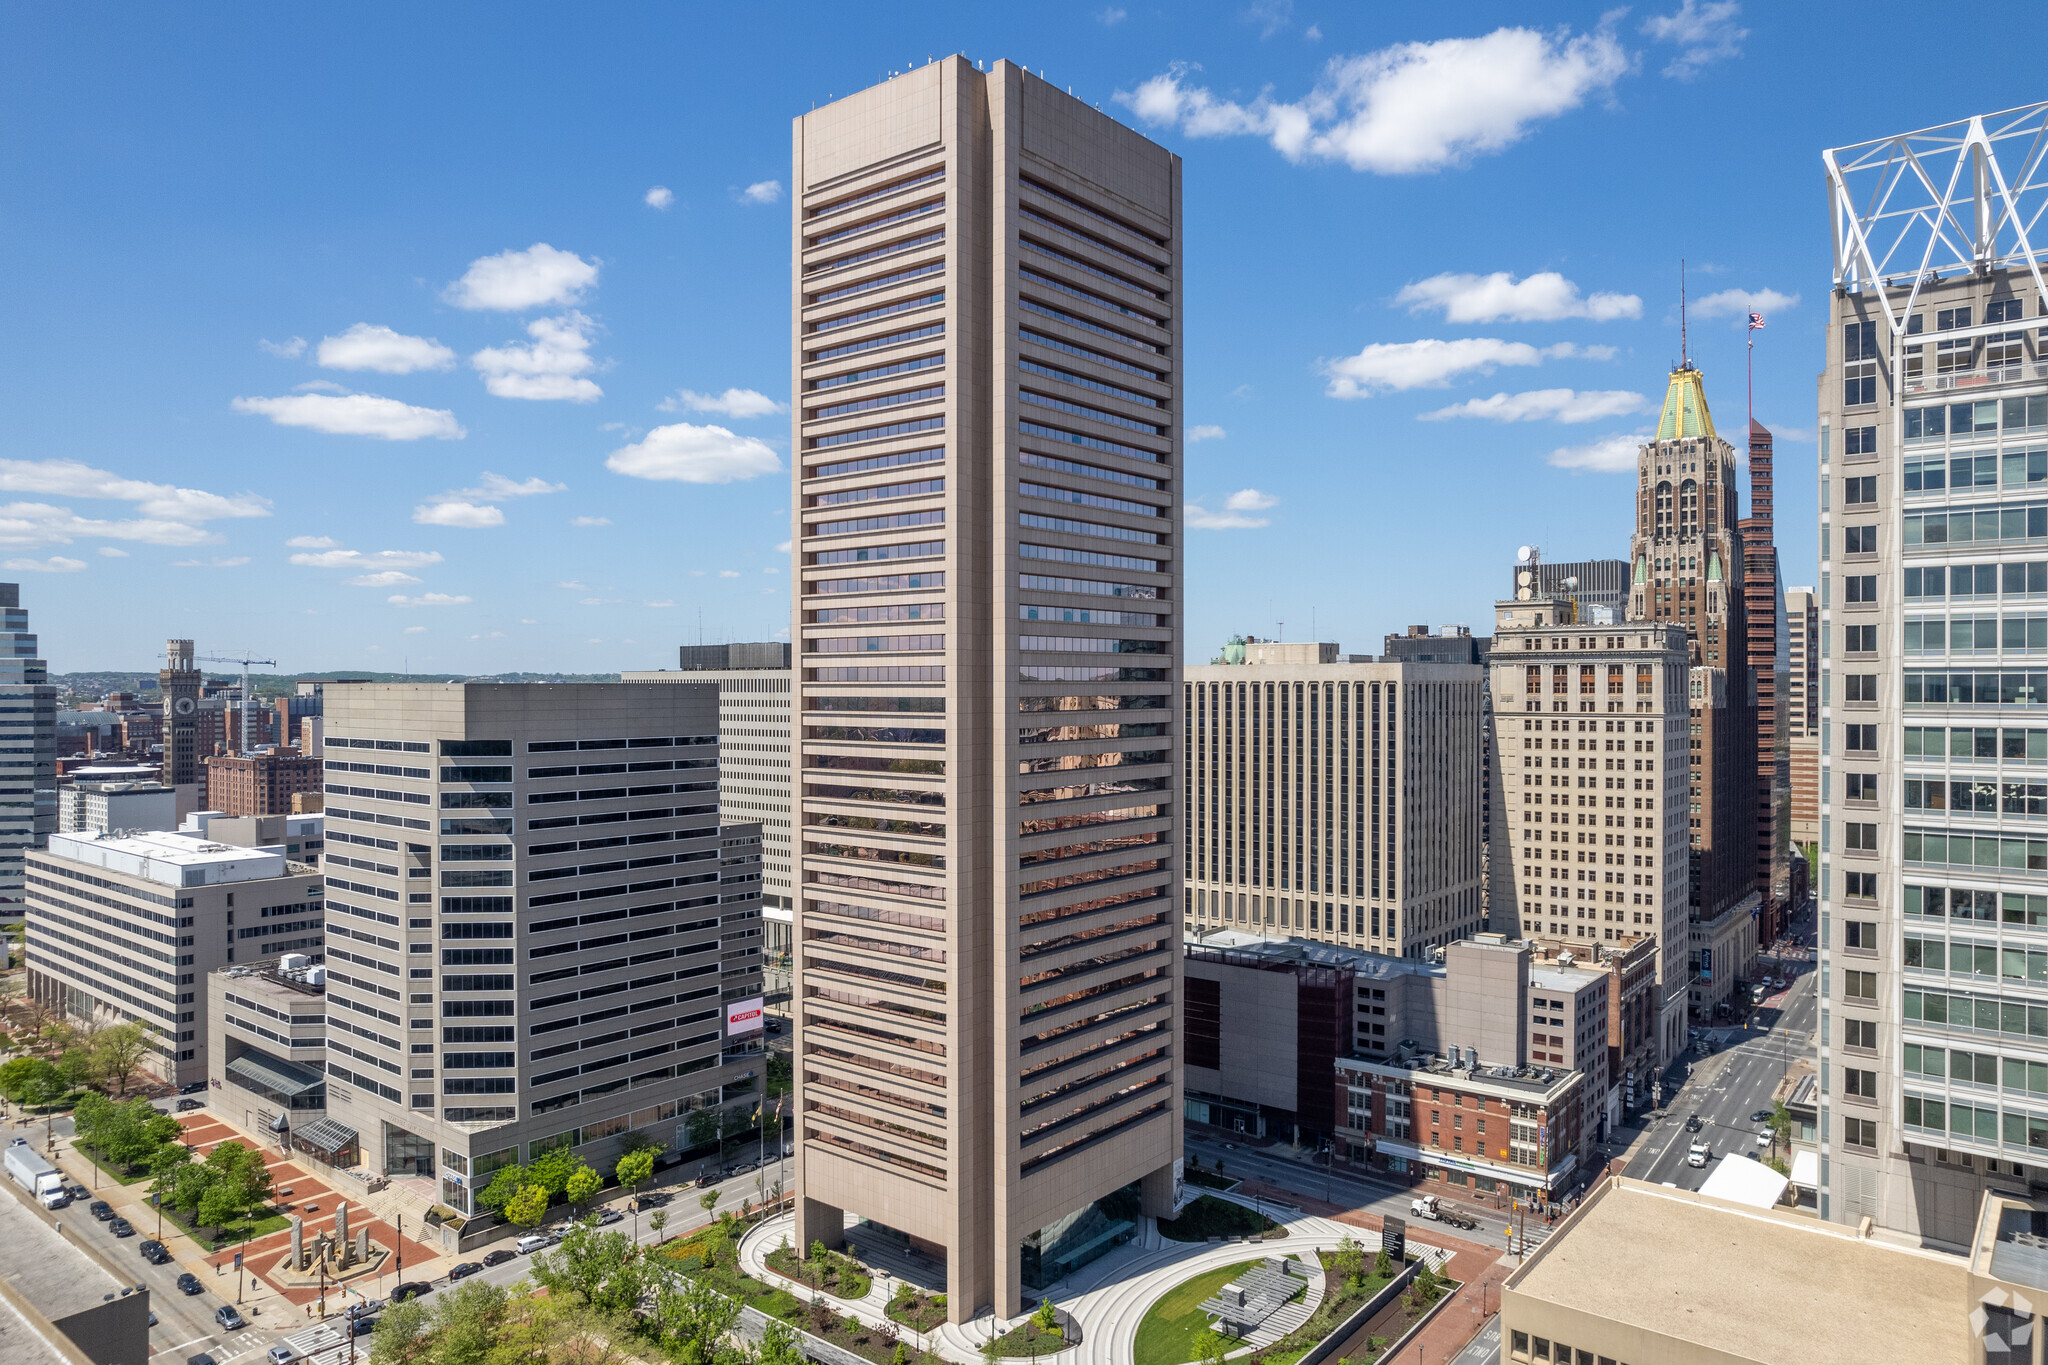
[1939, 201]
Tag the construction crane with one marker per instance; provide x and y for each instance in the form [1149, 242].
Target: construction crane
[248, 700]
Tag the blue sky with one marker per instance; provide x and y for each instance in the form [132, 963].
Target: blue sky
[451, 336]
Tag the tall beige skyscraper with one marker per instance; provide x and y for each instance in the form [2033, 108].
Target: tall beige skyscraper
[986, 437]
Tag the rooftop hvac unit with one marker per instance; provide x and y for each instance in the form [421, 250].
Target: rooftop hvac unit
[294, 962]
[316, 975]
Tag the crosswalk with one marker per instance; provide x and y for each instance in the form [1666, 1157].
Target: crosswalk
[322, 1345]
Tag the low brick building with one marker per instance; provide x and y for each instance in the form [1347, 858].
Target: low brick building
[1514, 1131]
[261, 783]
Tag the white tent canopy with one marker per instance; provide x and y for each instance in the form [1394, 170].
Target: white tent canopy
[1741, 1180]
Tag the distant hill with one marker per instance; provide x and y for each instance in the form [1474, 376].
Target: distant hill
[97, 684]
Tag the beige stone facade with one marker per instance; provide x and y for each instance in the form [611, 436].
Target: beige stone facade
[986, 285]
[1335, 799]
[1590, 770]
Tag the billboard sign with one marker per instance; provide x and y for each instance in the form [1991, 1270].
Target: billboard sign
[744, 1016]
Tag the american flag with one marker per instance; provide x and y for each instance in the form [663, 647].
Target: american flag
[1756, 321]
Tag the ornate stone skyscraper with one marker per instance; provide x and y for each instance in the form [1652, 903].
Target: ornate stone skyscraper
[1687, 569]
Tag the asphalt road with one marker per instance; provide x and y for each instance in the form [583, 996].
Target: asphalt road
[1729, 1086]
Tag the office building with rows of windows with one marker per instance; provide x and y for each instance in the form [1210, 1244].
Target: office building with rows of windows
[28, 741]
[986, 298]
[122, 928]
[536, 937]
[1933, 781]
[1334, 800]
[1590, 765]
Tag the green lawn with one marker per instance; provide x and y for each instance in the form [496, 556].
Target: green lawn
[1172, 1332]
[245, 1230]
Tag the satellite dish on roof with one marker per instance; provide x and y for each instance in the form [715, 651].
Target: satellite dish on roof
[1571, 583]
[1522, 578]
[1522, 554]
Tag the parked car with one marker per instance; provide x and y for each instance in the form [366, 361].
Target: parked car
[281, 1354]
[121, 1227]
[701, 1181]
[530, 1243]
[189, 1284]
[186, 1106]
[78, 1191]
[362, 1327]
[228, 1318]
[463, 1271]
[17, 1142]
[411, 1289]
[156, 1253]
[100, 1209]
[500, 1256]
[610, 1216]
[193, 1089]
[365, 1308]
[1763, 1138]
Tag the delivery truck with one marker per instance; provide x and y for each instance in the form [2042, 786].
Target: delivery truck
[33, 1172]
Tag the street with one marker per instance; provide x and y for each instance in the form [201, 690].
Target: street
[185, 1324]
[1726, 1088]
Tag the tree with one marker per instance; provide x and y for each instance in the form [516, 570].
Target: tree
[117, 1053]
[465, 1322]
[599, 1267]
[526, 1208]
[779, 1347]
[506, 1182]
[30, 1080]
[1383, 1264]
[695, 1318]
[635, 1168]
[222, 1202]
[701, 1128]
[551, 1169]
[708, 1200]
[658, 1222]
[583, 1183]
[1047, 1317]
[167, 1160]
[400, 1334]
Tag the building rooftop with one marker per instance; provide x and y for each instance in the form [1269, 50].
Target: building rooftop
[1258, 950]
[171, 858]
[56, 1275]
[1748, 1284]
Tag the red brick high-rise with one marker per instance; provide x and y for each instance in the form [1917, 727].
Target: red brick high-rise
[261, 783]
[1763, 601]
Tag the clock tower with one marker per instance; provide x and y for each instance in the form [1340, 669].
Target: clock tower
[179, 682]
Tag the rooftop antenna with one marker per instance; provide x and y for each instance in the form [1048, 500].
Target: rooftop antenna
[1684, 354]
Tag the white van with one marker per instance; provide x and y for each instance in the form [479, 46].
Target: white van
[1697, 1154]
[531, 1243]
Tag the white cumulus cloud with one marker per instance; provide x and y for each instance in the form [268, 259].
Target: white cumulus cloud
[1703, 33]
[660, 197]
[728, 573]
[762, 192]
[113, 552]
[356, 414]
[590, 521]
[686, 453]
[234, 562]
[1500, 297]
[1205, 433]
[369, 347]
[388, 578]
[356, 559]
[1432, 363]
[1730, 302]
[54, 564]
[170, 515]
[1407, 108]
[1537, 405]
[427, 599]
[1236, 513]
[284, 350]
[313, 543]
[553, 367]
[731, 403]
[1609, 455]
[513, 281]
[464, 514]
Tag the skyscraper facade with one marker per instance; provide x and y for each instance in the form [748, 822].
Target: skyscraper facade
[537, 934]
[28, 739]
[1763, 593]
[1933, 880]
[1687, 554]
[1802, 710]
[1335, 800]
[986, 300]
[1590, 854]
